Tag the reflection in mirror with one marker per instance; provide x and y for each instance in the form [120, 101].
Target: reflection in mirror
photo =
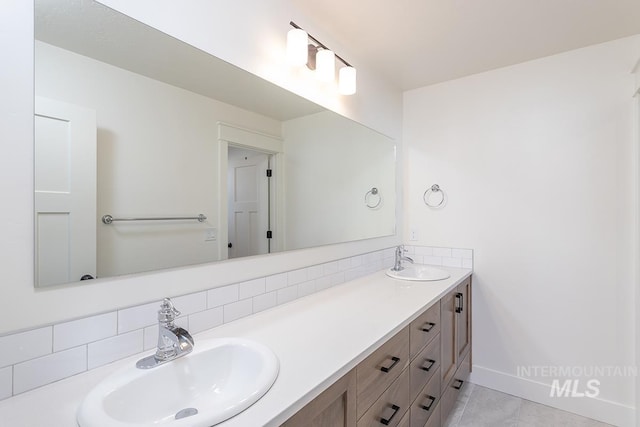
[132, 123]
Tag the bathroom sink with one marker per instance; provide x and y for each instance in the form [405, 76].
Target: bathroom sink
[219, 379]
[419, 272]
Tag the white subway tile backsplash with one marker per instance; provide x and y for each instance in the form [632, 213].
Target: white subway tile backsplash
[330, 268]
[45, 370]
[264, 301]
[356, 261]
[452, 262]
[306, 288]
[388, 253]
[115, 348]
[150, 339]
[315, 272]
[323, 283]
[83, 331]
[442, 252]
[462, 253]
[27, 360]
[204, 320]
[351, 274]
[130, 319]
[450, 257]
[223, 295]
[372, 257]
[287, 294]
[191, 303]
[25, 345]
[337, 278]
[251, 288]
[344, 264]
[297, 276]
[423, 250]
[277, 281]
[6, 382]
[236, 310]
[432, 260]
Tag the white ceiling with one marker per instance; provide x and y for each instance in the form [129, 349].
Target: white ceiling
[414, 43]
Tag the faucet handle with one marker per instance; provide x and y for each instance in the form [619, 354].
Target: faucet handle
[167, 312]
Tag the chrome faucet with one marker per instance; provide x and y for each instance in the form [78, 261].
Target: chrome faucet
[397, 266]
[173, 341]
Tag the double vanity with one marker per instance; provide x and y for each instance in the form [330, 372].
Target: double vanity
[372, 351]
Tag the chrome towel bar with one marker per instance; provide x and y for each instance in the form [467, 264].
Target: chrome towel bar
[108, 219]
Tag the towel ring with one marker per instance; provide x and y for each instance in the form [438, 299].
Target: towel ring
[435, 188]
[373, 192]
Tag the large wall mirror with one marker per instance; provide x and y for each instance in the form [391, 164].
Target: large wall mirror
[151, 154]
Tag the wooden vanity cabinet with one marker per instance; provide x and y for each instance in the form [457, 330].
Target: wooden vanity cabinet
[336, 406]
[412, 380]
[455, 329]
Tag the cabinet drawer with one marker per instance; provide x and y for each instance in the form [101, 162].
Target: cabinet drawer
[423, 366]
[425, 328]
[434, 419]
[425, 404]
[391, 406]
[380, 369]
[452, 391]
[404, 422]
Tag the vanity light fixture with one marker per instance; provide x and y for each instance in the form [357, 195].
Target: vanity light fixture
[320, 58]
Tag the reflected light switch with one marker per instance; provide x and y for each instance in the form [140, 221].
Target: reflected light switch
[210, 234]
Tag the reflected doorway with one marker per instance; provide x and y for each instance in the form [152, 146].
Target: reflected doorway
[248, 201]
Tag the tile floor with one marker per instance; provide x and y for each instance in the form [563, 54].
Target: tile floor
[482, 407]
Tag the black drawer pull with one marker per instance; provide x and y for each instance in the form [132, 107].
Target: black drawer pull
[460, 306]
[428, 407]
[431, 362]
[395, 362]
[459, 386]
[386, 421]
[428, 327]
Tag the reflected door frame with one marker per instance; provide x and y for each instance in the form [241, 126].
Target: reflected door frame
[236, 136]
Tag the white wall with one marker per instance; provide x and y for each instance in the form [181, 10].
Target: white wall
[250, 34]
[536, 160]
[329, 191]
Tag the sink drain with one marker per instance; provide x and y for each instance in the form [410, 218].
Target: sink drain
[186, 412]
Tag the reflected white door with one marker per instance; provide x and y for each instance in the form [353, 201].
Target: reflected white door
[65, 192]
[248, 202]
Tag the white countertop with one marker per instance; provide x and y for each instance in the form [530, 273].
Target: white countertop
[317, 338]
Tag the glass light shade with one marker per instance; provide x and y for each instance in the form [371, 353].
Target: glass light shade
[326, 65]
[347, 81]
[297, 50]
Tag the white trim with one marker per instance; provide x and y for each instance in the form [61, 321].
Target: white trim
[598, 409]
[249, 138]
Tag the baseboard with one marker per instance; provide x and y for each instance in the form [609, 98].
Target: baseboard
[598, 409]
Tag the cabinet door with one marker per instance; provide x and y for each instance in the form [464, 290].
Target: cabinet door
[463, 319]
[336, 406]
[448, 351]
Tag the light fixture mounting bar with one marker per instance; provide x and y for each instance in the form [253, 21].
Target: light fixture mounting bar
[294, 25]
